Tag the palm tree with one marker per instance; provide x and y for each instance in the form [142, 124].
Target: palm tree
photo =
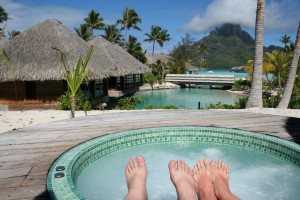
[255, 96]
[135, 49]
[94, 20]
[286, 96]
[3, 15]
[85, 32]
[285, 39]
[176, 67]
[130, 20]
[112, 34]
[154, 36]
[280, 61]
[202, 48]
[164, 37]
[75, 76]
[13, 33]
[266, 68]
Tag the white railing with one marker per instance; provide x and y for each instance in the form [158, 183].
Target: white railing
[200, 79]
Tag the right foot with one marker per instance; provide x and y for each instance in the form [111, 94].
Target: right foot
[182, 178]
[220, 178]
[136, 175]
[204, 184]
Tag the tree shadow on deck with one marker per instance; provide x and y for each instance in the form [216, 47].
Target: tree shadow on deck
[292, 125]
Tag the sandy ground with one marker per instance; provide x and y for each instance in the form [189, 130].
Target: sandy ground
[11, 120]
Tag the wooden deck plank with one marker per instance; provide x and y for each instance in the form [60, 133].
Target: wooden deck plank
[26, 154]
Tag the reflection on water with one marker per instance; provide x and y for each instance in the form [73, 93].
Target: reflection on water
[186, 97]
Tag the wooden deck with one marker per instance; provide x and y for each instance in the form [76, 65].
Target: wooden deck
[27, 154]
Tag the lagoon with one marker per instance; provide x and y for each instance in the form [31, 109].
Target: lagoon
[186, 98]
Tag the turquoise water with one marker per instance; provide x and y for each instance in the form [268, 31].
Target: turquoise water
[185, 97]
[189, 97]
[253, 175]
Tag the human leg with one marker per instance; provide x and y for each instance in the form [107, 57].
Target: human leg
[136, 175]
[182, 178]
[220, 179]
[204, 184]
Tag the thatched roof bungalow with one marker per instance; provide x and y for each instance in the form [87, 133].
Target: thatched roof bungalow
[126, 76]
[38, 72]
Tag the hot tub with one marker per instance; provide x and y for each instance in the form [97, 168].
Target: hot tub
[254, 158]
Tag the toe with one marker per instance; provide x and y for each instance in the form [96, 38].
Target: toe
[140, 161]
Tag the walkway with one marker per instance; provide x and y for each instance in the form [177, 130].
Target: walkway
[203, 79]
[27, 154]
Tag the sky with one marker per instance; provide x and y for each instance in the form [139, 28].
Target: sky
[196, 17]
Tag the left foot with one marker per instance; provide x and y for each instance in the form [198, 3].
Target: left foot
[182, 178]
[136, 175]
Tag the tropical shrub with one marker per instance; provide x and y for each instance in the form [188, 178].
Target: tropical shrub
[150, 78]
[270, 101]
[81, 103]
[152, 107]
[241, 103]
[128, 103]
[241, 85]
[220, 105]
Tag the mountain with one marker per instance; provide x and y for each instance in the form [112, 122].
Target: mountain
[227, 46]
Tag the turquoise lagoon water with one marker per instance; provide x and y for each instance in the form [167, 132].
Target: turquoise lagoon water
[185, 97]
[253, 175]
[188, 98]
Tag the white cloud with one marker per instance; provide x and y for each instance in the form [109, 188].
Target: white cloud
[24, 17]
[279, 15]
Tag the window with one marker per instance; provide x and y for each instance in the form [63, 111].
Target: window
[129, 81]
[99, 89]
[137, 78]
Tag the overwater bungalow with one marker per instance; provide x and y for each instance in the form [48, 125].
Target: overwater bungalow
[126, 75]
[38, 71]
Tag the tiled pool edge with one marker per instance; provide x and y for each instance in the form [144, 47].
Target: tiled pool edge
[79, 157]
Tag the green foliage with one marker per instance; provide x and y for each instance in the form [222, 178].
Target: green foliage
[220, 105]
[152, 107]
[270, 101]
[128, 103]
[241, 85]
[94, 20]
[149, 78]
[241, 103]
[85, 32]
[81, 103]
[135, 49]
[75, 76]
[183, 51]
[295, 98]
[112, 34]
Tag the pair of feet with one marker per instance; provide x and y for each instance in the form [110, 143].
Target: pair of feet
[206, 181]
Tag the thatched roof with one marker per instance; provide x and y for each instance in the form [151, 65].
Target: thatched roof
[162, 57]
[190, 67]
[34, 59]
[124, 63]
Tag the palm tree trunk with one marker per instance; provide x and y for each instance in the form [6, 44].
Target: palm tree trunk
[153, 49]
[279, 80]
[73, 106]
[255, 96]
[125, 38]
[287, 93]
